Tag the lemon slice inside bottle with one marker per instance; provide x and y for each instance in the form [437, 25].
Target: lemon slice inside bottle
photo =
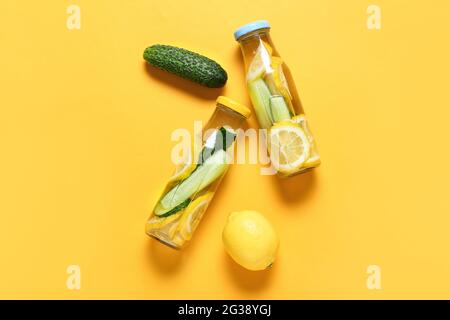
[278, 84]
[192, 215]
[184, 169]
[289, 147]
[178, 240]
[279, 77]
[314, 158]
[261, 63]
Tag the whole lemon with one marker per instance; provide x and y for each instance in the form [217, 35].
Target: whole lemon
[250, 240]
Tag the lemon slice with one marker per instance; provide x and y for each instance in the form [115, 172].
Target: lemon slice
[289, 146]
[314, 158]
[192, 215]
[184, 169]
[279, 77]
[178, 240]
[172, 229]
[313, 161]
[156, 222]
[261, 62]
[303, 123]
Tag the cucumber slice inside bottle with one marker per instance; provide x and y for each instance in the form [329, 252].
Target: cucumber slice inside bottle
[213, 168]
[176, 209]
[279, 109]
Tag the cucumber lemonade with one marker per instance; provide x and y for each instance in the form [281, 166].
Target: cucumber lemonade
[276, 103]
[192, 186]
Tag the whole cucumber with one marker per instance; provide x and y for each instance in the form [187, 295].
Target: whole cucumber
[186, 64]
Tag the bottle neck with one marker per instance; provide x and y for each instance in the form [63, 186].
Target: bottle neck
[254, 37]
[251, 41]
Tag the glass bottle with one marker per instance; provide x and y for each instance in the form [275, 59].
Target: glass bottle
[191, 188]
[276, 102]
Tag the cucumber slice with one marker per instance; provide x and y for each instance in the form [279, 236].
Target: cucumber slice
[178, 208]
[213, 168]
[260, 96]
[279, 109]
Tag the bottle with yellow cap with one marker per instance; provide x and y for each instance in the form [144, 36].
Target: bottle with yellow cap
[277, 105]
[197, 175]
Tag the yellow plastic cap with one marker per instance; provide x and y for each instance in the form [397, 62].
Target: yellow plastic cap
[235, 106]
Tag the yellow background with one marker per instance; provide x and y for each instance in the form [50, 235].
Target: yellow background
[85, 150]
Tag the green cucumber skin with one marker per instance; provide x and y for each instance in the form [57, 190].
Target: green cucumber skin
[210, 171]
[186, 64]
[179, 207]
[260, 97]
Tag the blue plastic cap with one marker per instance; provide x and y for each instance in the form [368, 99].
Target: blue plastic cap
[252, 26]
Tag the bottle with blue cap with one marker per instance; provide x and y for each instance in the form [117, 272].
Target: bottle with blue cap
[290, 143]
